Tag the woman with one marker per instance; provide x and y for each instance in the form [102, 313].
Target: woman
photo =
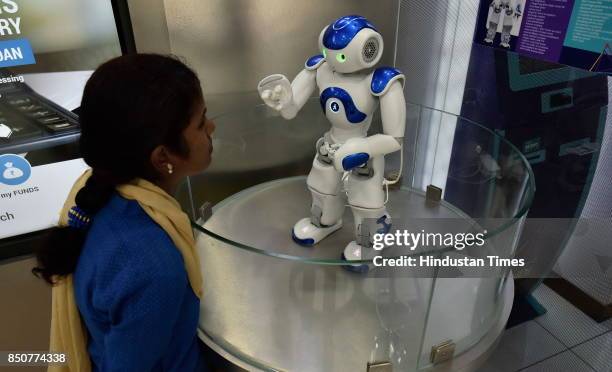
[127, 258]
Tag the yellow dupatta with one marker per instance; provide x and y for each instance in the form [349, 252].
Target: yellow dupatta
[68, 334]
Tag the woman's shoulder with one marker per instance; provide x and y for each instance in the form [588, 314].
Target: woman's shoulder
[126, 252]
[122, 229]
[127, 219]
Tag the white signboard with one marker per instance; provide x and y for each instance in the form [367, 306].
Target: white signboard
[31, 197]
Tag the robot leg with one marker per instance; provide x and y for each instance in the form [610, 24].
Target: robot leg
[367, 200]
[368, 222]
[327, 205]
[491, 31]
[505, 37]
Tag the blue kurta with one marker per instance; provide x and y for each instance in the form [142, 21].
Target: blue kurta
[133, 294]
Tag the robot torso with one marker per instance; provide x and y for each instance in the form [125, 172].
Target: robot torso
[349, 100]
[346, 101]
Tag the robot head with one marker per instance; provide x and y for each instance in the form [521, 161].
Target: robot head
[350, 44]
[497, 6]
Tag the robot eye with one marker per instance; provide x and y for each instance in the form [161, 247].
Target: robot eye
[341, 58]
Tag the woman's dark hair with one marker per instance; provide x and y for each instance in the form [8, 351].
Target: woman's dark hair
[131, 105]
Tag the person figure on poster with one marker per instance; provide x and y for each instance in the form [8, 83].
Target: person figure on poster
[512, 12]
[506, 12]
[493, 18]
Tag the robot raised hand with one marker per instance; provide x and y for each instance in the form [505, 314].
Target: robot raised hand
[276, 92]
[349, 93]
[273, 97]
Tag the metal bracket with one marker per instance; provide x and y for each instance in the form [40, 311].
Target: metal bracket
[205, 211]
[380, 367]
[442, 352]
[433, 193]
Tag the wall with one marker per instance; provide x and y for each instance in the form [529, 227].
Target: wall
[433, 50]
[26, 321]
[233, 44]
[149, 25]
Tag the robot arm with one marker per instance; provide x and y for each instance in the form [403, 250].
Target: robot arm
[387, 83]
[356, 152]
[302, 88]
[393, 111]
[286, 98]
[518, 10]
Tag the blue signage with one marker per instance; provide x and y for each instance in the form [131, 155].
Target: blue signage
[16, 52]
[14, 169]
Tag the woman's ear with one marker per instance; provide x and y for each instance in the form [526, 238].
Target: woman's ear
[160, 159]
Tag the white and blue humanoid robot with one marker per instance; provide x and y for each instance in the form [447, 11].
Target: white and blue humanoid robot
[350, 91]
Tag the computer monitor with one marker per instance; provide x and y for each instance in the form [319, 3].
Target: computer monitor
[48, 50]
[527, 73]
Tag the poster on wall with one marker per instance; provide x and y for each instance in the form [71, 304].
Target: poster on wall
[31, 197]
[48, 50]
[572, 32]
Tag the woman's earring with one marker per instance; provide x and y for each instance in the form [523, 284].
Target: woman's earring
[170, 168]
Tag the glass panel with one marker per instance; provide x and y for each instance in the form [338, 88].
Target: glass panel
[275, 305]
[278, 314]
[490, 183]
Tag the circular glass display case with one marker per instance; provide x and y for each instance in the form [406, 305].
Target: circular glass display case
[270, 304]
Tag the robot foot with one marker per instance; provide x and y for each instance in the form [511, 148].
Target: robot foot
[352, 252]
[488, 41]
[306, 234]
[504, 45]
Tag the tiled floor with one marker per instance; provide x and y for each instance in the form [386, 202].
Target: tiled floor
[562, 340]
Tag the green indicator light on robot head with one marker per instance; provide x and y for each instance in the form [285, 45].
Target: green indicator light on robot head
[324, 53]
[340, 57]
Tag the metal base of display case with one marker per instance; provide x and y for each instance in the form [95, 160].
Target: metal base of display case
[469, 361]
[318, 317]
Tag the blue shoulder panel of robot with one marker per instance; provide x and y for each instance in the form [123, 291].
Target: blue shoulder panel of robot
[382, 77]
[340, 33]
[353, 114]
[314, 62]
